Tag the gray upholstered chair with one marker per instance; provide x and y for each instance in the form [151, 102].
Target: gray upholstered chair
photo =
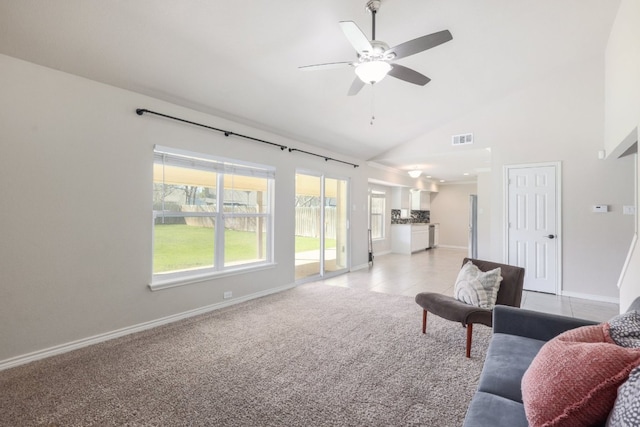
[447, 307]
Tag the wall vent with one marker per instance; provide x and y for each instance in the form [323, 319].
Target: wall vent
[463, 139]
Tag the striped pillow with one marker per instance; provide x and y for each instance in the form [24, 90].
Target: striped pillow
[477, 287]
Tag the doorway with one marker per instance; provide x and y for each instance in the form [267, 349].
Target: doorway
[321, 217]
[532, 233]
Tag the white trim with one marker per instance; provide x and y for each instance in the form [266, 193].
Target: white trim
[181, 278]
[505, 214]
[612, 300]
[625, 266]
[85, 342]
[451, 247]
[380, 253]
[359, 267]
[634, 240]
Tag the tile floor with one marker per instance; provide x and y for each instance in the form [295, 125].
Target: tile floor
[435, 270]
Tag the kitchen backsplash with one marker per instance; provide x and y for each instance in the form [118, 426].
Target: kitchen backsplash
[417, 217]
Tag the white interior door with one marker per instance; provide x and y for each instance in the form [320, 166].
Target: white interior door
[533, 225]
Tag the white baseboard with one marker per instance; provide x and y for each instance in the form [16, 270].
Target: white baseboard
[612, 300]
[359, 267]
[452, 247]
[85, 342]
[381, 253]
[367, 265]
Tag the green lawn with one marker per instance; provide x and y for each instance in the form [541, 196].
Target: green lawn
[179, 246]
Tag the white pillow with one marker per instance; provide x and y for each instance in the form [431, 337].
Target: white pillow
[476, 287]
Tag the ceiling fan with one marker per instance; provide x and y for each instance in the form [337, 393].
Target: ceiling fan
[375, 58]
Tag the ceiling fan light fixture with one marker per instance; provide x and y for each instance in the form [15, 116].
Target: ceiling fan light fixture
[371, 72]
[414, 173]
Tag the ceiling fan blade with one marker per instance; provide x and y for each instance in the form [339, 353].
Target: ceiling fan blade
[408, 75]
[355, 86]
[356, 37]
[420, 44]
[326, 66]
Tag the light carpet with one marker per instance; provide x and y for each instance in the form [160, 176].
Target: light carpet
[315, 355]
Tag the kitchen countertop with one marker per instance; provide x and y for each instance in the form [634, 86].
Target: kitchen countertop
[416, 223]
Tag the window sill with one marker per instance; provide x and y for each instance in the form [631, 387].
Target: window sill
[189, 279]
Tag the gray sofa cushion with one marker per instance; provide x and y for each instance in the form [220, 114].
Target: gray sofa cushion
[495, 411]
[518, 337]
[508, 357]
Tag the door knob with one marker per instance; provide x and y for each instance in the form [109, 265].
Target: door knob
[550, 236]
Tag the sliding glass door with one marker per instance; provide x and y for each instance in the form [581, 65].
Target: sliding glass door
[322, 225]
[335, 212]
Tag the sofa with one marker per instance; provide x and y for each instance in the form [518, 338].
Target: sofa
[518, 336]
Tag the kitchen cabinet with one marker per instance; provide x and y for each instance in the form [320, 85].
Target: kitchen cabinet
[400, 198]
[419, 237]
[408, 238]
[420, 200]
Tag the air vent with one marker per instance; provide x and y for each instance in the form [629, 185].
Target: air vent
[463, 139]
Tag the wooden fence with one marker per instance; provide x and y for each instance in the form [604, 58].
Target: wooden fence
[308, 222]
[307, 219]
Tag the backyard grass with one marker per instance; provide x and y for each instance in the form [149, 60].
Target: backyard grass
[180, 247]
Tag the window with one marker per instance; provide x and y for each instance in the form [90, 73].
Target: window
[210, 216]
[376, 214]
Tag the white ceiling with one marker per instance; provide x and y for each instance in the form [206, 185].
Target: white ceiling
[238, 59]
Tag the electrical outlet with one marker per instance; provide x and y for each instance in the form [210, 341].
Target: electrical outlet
[227, 294]
[628, 210]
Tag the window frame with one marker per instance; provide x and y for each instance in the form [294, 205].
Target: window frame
[378, 194]
[222, 167]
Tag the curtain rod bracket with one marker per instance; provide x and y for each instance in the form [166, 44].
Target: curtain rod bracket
[326, 159]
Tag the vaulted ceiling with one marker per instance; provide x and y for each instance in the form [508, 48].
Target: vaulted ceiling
[239, 59]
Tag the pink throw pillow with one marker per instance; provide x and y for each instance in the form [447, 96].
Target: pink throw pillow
[573, 380]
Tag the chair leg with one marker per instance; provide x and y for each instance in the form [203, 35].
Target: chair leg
[469, 335]
[424, 321]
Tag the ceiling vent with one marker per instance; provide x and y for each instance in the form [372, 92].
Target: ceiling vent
[463, 139]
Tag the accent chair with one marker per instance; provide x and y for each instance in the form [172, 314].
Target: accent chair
[447, 307]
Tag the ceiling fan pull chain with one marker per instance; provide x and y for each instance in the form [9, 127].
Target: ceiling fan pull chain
[373, 98]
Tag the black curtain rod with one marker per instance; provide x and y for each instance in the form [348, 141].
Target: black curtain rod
[326, 159]
[141, 111]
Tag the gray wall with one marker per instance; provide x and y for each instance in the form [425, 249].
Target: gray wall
[450, 209]
[75, 181]
[622, 113]
[76, 217]
[555, 117]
